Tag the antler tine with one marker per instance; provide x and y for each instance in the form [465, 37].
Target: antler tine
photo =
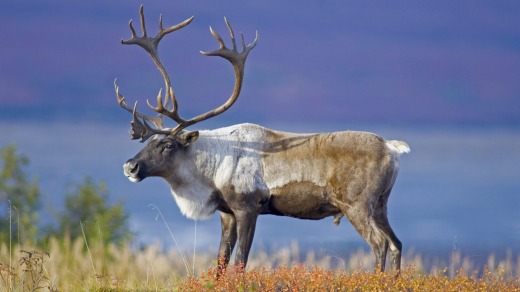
[142, 130]
[165, 31]
[161, 109]
[149, 43]
[231, 34]
[218, 38]
[249, 47]
[132, 30]
[231, 55]
[157, 121]
[141, 16]
[136, 40]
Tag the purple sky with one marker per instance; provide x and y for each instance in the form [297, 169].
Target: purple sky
[341, 61]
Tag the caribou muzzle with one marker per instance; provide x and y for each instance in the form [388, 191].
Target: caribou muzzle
[133, 170]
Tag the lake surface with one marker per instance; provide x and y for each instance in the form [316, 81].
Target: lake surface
[459, 188]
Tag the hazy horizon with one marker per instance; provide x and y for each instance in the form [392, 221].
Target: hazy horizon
[456, 189]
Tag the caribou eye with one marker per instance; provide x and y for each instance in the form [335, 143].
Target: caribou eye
[169, 146]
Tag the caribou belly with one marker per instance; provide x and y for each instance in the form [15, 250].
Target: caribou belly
[304, 200]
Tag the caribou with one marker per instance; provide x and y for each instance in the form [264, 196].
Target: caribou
[246, 170]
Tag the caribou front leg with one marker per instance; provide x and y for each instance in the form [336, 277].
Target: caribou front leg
[246, 223]
[227, 240]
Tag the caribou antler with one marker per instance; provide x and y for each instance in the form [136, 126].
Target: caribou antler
[238, 61]
[142, 130]
[151, 46]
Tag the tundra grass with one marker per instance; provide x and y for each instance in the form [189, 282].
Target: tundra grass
[67, 265]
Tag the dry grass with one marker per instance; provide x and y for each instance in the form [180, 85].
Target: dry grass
[307, 278]
[69, 266]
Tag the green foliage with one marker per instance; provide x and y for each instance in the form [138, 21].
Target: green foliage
[88, 212]
[86, 208]
[19, 198]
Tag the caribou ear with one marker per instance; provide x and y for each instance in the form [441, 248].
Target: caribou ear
[186, 138]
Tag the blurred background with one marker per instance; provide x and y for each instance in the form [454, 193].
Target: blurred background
[440, 75]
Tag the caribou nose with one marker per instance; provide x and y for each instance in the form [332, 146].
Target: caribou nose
[131, 166]
[131, 169]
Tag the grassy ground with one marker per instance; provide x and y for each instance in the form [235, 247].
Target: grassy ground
[70, 266]
[311, 278]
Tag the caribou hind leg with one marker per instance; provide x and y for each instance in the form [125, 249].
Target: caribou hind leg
[376, 231]
[379, 245]
[395, 245]
[380, 220]
[360, 219]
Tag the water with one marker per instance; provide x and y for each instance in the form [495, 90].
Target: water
[459, 188]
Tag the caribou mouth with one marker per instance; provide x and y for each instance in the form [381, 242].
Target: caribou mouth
[134, 179]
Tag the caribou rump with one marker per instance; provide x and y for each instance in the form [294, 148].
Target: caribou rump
[247, 170]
